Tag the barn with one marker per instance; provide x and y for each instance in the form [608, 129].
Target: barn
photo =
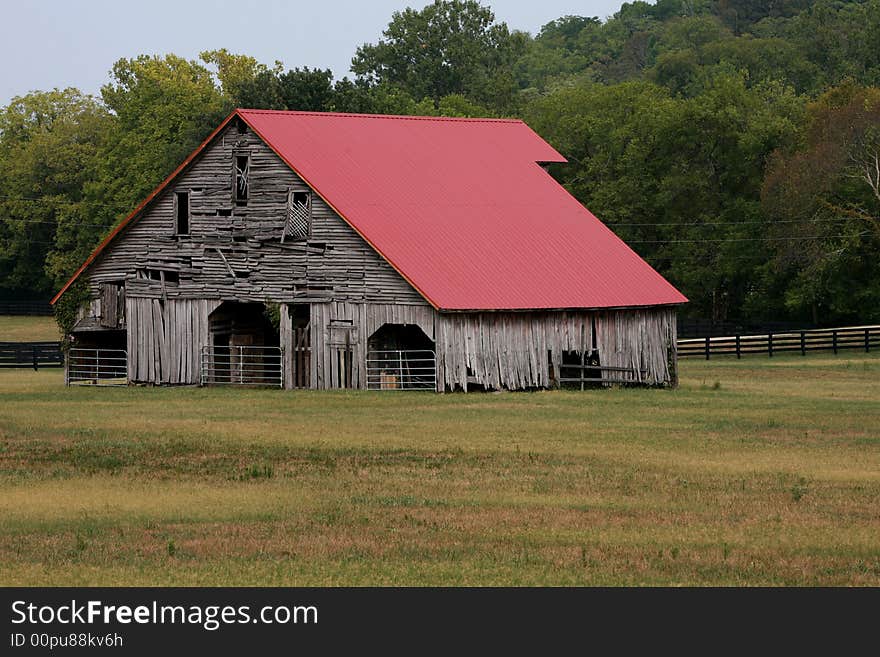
[327, 250]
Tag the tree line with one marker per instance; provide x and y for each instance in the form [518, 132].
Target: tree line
[734, 144]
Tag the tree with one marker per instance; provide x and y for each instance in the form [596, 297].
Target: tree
[449, 47]
[828, 193]
[164, 107]
[236, 73]
[49, 149]
[677, 178]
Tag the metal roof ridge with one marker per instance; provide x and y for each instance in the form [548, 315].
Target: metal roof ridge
[405, 117]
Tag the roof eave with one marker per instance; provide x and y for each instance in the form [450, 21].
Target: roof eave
[142, 206]
[663, 304]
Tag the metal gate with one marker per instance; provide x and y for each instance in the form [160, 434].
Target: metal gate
[401, 370]
[96, 367]
[242, 366]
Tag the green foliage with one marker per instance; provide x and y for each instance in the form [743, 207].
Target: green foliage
[726, 140]
[449, 47]
[272, 313]
[828, 191]
[678, 178]
[66, 309]
[49, 151]
[164, 108]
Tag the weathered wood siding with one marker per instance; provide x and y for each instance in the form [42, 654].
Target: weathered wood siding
[164, 339]
[335, 263]
[514, 351]
[328, 336]
[234, 253]
[642, 341]
[239, 257]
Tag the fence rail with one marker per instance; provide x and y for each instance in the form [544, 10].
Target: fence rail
[700, 328]
[96, 367]
[242, 366]
[24, 307]
[600, 374]
[834, 340]
[31, 354]
[401, 370]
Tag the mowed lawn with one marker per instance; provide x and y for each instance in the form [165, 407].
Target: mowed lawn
[757, 472]
[20, 328]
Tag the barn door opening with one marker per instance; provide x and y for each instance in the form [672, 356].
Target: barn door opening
[244, 347]
[401, 357]
[343, 338]
[301, 346]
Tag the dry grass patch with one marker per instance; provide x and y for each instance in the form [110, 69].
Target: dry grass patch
[22, 328]
[769, 477]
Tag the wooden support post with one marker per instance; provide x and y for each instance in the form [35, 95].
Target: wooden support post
[36, 362]
[834, 341]
[707, 347]
[738, 354]
[770, 344]
[803, 343]
[867, 340]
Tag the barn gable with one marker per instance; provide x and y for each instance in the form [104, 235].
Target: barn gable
[236, 250]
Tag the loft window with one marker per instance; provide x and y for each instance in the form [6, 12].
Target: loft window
[162, 275]
[298, 225]
[242, 175]
[181, 224]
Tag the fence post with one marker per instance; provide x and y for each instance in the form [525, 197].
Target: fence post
[707, 347]
[867, 340]
[834, 341]
[770, 344]
[34, 355]
[803, 343]
[737, 347]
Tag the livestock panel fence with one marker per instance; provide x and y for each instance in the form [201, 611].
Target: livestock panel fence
[832, 339]
[243, 365]
[413, 369]
[96, 367]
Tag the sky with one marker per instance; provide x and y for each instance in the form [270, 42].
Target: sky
[61, 43]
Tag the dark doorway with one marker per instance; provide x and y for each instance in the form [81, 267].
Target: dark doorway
[401, 357]
[245, 346]
[301, 346]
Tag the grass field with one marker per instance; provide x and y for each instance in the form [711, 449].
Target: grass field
[758, 472]
[16, 328]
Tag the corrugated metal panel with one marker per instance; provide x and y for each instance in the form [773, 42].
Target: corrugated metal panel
[462, 209]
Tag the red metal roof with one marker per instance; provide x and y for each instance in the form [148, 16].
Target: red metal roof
[460, 207]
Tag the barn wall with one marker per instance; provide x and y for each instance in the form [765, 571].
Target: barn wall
[330, 336]
[238, 257]
[165, 339]
[351, 290]
[641, 340]
[507, 350]
[333, 264]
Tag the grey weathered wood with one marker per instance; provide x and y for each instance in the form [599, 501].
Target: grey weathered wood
[235, 253]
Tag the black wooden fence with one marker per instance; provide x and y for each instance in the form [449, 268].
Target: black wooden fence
[24, 307]
[834, 340]
[31, 354]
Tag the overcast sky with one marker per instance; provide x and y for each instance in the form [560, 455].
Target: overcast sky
[60, 43]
